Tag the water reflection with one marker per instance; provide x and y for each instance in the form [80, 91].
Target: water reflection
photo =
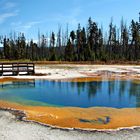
[18, 84]
[117, 93]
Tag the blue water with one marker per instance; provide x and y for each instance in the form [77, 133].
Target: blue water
[117, 93]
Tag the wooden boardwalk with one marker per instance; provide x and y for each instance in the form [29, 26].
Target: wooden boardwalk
[17, 68]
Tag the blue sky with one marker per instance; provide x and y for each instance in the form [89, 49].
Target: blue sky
[29, 16]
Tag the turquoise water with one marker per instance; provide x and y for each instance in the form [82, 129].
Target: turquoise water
[117, 93]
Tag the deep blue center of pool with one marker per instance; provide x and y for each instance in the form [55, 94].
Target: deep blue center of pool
[117, 93]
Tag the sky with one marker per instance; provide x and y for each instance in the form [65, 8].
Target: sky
[31, 16]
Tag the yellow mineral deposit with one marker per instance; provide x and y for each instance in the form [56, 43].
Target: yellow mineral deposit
[84, 118]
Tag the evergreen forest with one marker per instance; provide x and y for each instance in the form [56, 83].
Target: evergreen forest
[88, 43]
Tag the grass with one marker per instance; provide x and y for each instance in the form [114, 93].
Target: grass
[111, 62]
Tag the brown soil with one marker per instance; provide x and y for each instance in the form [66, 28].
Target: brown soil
[7, 79]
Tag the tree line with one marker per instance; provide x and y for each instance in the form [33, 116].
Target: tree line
[84, 44]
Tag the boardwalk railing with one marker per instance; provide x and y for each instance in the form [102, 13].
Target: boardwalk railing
[16, 68]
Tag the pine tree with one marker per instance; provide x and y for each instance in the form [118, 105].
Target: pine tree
[69, 51]
[52, 47]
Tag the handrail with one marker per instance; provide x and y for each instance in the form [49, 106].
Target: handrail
[16, 68]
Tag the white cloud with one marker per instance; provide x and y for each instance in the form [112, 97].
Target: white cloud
[24, 27]
[5, 16]
[9, 5]
[28, 25]
[7, 10]
[1, 45]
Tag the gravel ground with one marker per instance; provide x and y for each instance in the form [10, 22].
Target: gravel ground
[13, 129]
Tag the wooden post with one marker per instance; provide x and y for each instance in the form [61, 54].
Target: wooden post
[12, 69]
[28, 69]
[2, 69]
[33, 68]
[17, 68]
